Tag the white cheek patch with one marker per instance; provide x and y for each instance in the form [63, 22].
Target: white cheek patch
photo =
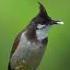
[39, 26]
[42, 33]
[60, 22]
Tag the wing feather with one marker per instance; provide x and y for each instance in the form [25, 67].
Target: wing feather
[15, 44]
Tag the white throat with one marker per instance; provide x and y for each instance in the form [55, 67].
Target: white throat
[42, 33]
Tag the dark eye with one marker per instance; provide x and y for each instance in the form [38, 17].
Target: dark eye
[44, 22]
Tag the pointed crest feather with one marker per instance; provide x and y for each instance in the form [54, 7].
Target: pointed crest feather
[43, 11]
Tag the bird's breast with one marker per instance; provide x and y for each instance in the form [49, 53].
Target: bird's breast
[29, 52]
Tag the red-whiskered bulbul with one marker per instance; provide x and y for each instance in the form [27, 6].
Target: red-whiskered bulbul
[30, 44]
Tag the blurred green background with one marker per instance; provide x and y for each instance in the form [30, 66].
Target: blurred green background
[16, 14]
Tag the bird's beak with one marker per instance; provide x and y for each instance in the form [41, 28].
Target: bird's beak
[61, 22]
[57, 22]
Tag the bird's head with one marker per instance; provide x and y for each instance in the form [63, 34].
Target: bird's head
[42, 22]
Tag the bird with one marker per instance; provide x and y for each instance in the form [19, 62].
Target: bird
[30, 44]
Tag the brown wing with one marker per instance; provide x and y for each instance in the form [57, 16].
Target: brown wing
[15, 44]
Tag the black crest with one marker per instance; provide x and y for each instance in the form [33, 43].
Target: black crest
[42, 17]
[42, 11]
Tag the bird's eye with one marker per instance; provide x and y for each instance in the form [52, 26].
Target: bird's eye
[44, 22]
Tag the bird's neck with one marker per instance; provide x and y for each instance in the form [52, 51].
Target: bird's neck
[42, 34]
[31, 35]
